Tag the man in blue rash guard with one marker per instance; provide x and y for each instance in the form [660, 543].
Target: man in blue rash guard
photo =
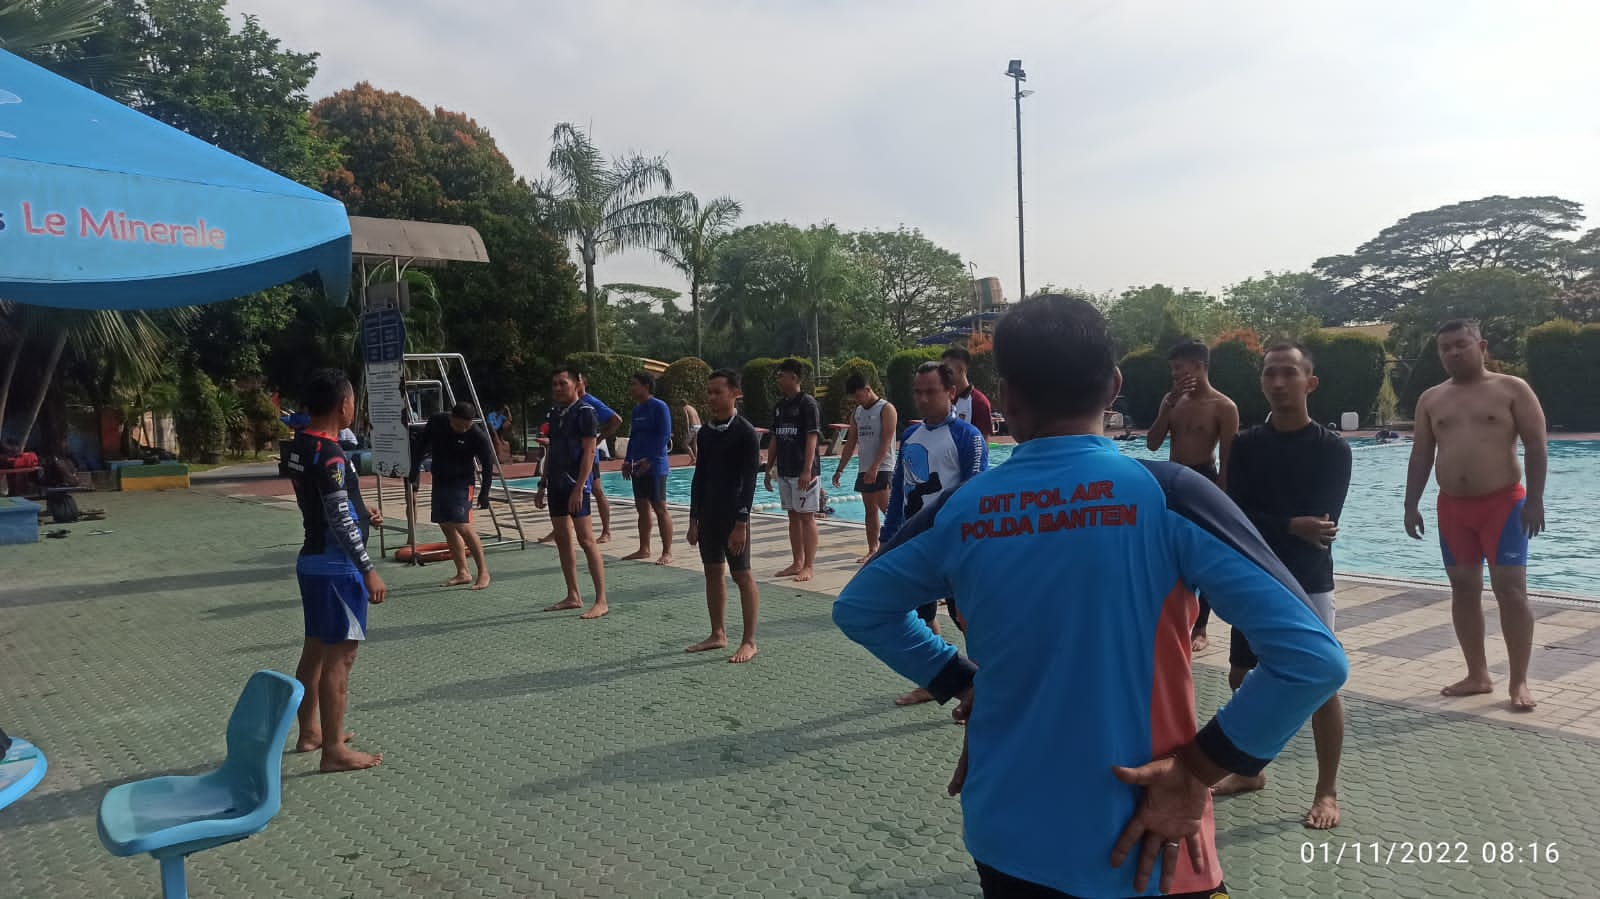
[646, 464]
[1077, 565]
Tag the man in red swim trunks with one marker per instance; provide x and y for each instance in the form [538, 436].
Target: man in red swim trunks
[1473, 421]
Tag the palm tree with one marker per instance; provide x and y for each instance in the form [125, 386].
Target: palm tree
[692, 237]
[605, 207]
[53, 33]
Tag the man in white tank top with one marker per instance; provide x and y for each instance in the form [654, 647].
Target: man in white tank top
[872, 433]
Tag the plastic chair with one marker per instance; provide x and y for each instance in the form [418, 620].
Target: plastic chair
[173, 817]
[22, 766]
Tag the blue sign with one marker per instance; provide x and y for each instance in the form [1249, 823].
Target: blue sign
[383, 336]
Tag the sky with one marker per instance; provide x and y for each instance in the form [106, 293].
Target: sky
[1191, 144]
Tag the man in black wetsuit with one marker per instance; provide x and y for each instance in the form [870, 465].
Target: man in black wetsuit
[1290, 476]
[337, 577]
[455, 441]
[719, 510]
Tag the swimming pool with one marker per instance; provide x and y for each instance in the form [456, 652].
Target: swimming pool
[1372, 539]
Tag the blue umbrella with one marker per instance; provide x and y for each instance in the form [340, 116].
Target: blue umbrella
[102, 207]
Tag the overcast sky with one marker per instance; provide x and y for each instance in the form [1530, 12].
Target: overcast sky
[1188, 143]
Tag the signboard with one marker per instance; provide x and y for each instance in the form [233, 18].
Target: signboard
[383, 346]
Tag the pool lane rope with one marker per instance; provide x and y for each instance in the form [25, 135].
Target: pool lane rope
[840, 498]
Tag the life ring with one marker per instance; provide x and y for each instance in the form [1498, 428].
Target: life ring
[426, 552]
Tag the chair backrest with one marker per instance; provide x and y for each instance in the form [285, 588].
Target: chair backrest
[256, 732]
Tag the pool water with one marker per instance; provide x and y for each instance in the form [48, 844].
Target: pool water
[1372, 537]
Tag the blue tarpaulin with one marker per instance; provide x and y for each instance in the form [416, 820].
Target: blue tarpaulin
[102, 207]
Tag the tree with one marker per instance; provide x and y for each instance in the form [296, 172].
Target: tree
[693, 233]
[1506, 304]
[1386, 273]
[1579, 300]
[920, 284]
[64, 36]
[605, 207]
[1158, 316]
[645, 321]
[1275, 305]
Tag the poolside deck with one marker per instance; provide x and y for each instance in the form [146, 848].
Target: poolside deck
[537, 755]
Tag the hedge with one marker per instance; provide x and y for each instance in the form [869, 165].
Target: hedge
[898, 374]
[838, 404]
[1146, 378]
[1563, 367]
[1350, 371]
[1236, 372]
[760, 385]
[608, 375]
[684, 381]
[1425, 372]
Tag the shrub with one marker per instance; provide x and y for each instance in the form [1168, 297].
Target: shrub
[760, 385]
[838, 403]
[684, 381]
[1236, 372]
[262, 420]
[1146, 378]
[1350, 368]
[1563, 366]
[1426, 371]
[898, 374]
[200, 419]
[608, 375]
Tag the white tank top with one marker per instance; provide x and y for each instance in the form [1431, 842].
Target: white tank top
[869, 435]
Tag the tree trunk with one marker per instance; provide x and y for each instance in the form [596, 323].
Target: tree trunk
[694, 302]
[593, 301]
[44, 384]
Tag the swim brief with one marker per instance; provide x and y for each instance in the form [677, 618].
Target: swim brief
[1207, 471]
[1475, 528]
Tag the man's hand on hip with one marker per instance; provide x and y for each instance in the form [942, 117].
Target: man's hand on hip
[1169, 817]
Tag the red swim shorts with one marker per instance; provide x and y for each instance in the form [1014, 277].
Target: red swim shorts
[1475, 528]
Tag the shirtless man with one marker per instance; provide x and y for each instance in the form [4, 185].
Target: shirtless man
[1473, 421]
[1203, 423]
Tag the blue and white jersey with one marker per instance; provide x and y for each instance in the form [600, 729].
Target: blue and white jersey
[935, 458]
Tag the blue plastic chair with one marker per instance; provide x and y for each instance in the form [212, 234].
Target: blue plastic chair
[174, 817]
[21, 768]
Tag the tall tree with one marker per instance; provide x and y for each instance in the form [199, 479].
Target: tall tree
[1276, 305]
[921, 284]
[66, 37]
[605, 207]
[693, 233]
[1505, 304]
[1158, 315]
[1523, 234]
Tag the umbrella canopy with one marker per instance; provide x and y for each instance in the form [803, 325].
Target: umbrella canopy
[102, 207]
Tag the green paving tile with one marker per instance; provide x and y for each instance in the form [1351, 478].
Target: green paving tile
[537, 755]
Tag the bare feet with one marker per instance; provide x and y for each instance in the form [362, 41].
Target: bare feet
[347, 759]
[802, 575]
[605, 537]
[1469, 686]
[548, 538]
[637, 555]
[791, 571]
[1324, 814]
[458, 580]
[571, 602]
[1233, 783]
[314, 742]
[745, 653]
[598, 610]
[481, 582]
[862, 560]
[666, 559]
[915, 697]
[709, 643]
[1198, 641]
[1522, 699]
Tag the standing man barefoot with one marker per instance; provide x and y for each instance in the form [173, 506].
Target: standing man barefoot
[1203, 423]
[1472, 422]
[719, 511]
[455, 442]
[873, 426]
[1290, 477]
[796, 431]
[567, 479]
[649, 443]
[337, 577]
[610, 423]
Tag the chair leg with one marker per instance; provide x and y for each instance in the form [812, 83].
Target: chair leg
[174, 881]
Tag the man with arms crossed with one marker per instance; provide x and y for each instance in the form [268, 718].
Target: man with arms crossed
[872, 431]
[567, 479]
[1472, 422]
[719, 511]
[1072, 562]
[455, 443]
[1290, 477]
[936, 457]
[796, 430]
[1202, 422]
[970, 405]
[337, 577]
[649, 442]
[610, 423]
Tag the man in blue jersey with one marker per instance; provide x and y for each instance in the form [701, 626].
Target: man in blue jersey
[1075, 566]
[567, 482]
[649, 443]
[936, 456]
[337, 577]
[610, 423]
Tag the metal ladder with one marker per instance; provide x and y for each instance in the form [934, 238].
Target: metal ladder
[408, 500]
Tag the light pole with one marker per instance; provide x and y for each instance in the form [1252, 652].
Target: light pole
[1017, 76]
